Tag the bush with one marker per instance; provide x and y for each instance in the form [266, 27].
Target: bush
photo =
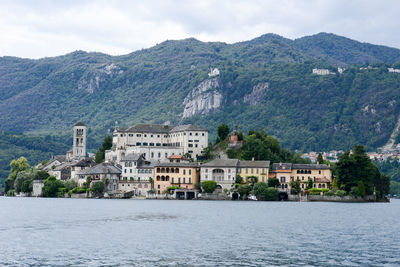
[271, 194]
[340, 193]
[244, 190]
[329, 193]
[354, 191]
[209, 186]
[98, 187]
[51, 187]
[273, 182]
[361, 188]
[260, 189]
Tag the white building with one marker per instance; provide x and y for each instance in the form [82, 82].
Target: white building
[223, 171]
[393, 70]
[213, 72]
[37, 188]
[322, 72]
[157, 141]
[136, 175]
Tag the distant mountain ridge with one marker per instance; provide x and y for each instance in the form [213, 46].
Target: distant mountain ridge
[264, 82]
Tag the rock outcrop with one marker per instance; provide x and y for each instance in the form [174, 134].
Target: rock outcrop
[203, 98]
[257, 94]
[91, 81]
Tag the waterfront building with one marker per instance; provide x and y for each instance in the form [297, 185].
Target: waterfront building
[223, 171]
[185, 175]
[37, 186]
[103, 172]
[79, 166]
[137, 174]
[248, 169]
[158, 141]
[321, 174]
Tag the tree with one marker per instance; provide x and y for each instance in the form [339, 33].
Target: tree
[244, 190]
[23, 176]
[260, 189]
[271, 194]
[223, 131]
[41, 175]
[70, 184]
[320, 159]
[18, 165]
[295, 187]
[273, 182]
[209, 186]
[238, 179]
[310, 183]
[98, 187]
[361, 188]
[52, 186]
[100, 154]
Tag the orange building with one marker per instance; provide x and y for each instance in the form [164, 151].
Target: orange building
[181, 174]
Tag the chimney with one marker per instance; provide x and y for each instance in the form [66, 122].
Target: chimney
[280, 164]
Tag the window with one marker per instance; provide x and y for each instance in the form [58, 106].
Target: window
[172, 180]
[319, 172]
[130, 170]
[166, 155]
[196, 145]
[202, 134]
[151, 135]
[151, 144]
[190, 180]
[196, 134]
[184, 180]
[138, 144]
[138, 135]
[190, 145]
[158, 135]
[179, 180]
[145, 135]
[184, 172]
[152, 154]
[190, 133]
[158, 144]
[130, 135]
[190, 172]
[283, 179]
[144, 144]
[125, 171]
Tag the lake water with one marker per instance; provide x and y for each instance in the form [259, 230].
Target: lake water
[96, 232]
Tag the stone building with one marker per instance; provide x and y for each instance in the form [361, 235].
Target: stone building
[104, 172]
[79, 141]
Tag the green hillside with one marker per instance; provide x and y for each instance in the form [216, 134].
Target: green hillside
[304, 111]
[35, 149]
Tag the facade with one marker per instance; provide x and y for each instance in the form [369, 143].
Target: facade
[137, 174]
[320, 174]
[62, 171]
[159, 141]
[182, 174]
[104, 172]
[223, 171]
[79, 166]
[322, 72]
[79, 141]
[253, 168]
[37, 188]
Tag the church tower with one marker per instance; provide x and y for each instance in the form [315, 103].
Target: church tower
[79, 146]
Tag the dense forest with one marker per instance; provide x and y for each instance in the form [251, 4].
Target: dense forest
[263, 83]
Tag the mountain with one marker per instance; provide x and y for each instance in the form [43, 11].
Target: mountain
[265, 82]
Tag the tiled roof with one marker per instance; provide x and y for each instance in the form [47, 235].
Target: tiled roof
[84, 163]
[131, 157]
[80, 124]
[177, 164]
[178, 157]
[160, 128]
[310, 166]
[221, 163]
[282, 166]
[103, 168]
[253, 164]
[188, 127]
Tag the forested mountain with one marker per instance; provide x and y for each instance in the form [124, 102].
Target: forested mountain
[265, 82]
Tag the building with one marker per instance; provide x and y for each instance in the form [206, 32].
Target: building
[79, 166]
[393, 70]
[104, 172]
[321, 174]
[37, 188]
[185, 175]
[234, 141]
[158, 141]
[322, 72]
[79, 141]
[223, 171]
[62, 171]
[248, 169]
[137, 174]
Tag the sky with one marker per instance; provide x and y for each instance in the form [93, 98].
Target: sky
[45, 28]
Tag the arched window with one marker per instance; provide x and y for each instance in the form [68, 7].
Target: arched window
[158, 169]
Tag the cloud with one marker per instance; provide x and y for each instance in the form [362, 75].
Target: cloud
[42, 28]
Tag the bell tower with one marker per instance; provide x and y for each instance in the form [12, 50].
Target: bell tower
[79, 144]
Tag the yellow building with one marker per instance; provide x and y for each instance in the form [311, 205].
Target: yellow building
[253, 168]
[184, 175]
[320, 174]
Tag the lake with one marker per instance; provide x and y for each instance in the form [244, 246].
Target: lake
[100, 232]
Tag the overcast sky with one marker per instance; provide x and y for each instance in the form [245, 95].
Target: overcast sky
[41, 28]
